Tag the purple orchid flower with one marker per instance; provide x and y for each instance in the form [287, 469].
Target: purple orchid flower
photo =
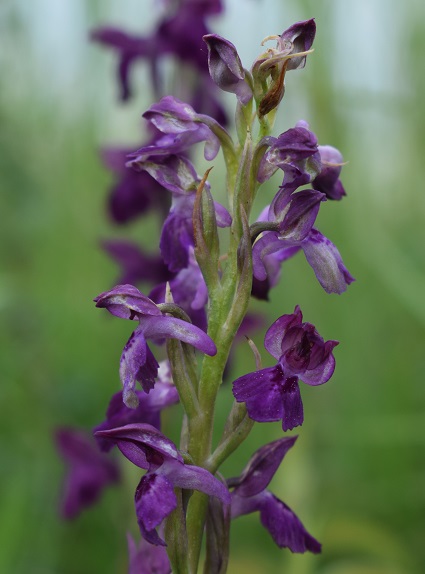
[295, 214]
[182, 127]
[148, 448]
[147, 558]
[164, 394]
[134, 193]
[296, 153]
[137, 361]
[90, 471]
[273, 393]
[226, 68]
[188, 290]
[250, 495]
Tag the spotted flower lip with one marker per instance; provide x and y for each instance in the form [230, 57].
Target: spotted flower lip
[137, 363]
[149, 449]
[273, 393]
[90, 471]
[250, 495]
[226, 67]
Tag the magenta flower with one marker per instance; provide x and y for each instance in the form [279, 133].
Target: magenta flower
[273, 393]
[137, 361]
[147, 448]
[89, 471]
[250, 495]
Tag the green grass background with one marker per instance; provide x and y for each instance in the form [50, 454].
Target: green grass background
[356, 477]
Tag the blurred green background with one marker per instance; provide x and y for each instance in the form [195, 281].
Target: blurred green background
[357, 475]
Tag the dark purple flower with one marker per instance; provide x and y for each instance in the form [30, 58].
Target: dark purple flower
[188, 290]
[296, 153]
[273, 393]
[136, 265]
[147, 448]
[134, 193]
[327, 181]
[250, 495]
[295, 214]
[137, 361]
[182, 126]
[149, 409]
[89, 471]
[226, 67]
[320, 252]
[147, 558]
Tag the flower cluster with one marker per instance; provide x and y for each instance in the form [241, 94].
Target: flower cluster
[201, 296]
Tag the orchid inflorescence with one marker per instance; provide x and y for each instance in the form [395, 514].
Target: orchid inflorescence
[200, 300]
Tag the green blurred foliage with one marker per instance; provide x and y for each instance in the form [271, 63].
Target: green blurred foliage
[357, 473]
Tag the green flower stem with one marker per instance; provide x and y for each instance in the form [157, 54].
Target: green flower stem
[230, 443]
[176, 538]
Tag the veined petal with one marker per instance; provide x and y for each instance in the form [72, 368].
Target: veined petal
[175, 173]
[126, 302]
[326, 262]
[170, 327]
[139, 442]
[171, 115]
